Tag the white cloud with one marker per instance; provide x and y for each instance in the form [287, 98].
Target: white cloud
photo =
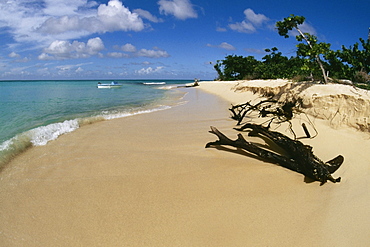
[181, 9]
[13, 55]
[114, 16]
[149, 70]
[65, 7]
[20, 20]
[41, 22]
[256, 19]
[117, 55]
[61, 49]
[306, 28]
[111, 17]
[79, 70]
[128, 48]
[94, 45]
[251, 23]
[147, 15]
[68, 68]
[45, 56]
[223, 45]
[133, 52]
[60, 25]
[242, 27]
[152, 53]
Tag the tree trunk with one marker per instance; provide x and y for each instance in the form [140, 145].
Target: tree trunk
[318, 60]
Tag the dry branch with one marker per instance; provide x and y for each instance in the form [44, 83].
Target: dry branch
[300, 157]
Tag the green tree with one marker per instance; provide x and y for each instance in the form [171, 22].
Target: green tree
[313, 49]
[351, 62]
[359, 59]
[274, 65]
[236, 67]
[338, 69]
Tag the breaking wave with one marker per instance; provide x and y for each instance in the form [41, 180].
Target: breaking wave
[42, 135]
[154, 83]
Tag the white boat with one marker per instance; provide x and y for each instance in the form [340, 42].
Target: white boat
[113, 84]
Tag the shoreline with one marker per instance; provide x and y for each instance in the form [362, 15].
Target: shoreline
[43, 134]
[147, 180]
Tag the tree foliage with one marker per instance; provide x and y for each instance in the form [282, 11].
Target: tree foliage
[312, 49]
[352, 63]
[288, 24]
[273, 66]
[236, 67]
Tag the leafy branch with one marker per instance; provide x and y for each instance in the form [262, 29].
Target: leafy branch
[313, 49]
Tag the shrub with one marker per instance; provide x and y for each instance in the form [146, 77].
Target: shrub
[361, 77]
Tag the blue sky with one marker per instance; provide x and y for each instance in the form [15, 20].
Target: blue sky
[158, 39]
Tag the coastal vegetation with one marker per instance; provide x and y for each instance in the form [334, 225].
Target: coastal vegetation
[314, 60]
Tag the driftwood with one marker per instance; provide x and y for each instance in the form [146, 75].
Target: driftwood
[277, 112]
[240, 111]
[300, 157]
[283, 111]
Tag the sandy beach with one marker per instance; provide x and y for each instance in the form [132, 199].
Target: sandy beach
[147, 180]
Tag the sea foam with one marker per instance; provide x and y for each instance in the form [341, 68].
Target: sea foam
[42, 135]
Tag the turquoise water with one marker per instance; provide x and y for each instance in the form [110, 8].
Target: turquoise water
[36, 112]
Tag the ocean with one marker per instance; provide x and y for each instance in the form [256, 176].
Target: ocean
[32, 113]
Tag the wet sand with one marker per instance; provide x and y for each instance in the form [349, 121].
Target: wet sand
[147, 180]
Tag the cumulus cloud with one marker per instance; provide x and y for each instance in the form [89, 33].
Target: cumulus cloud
[256, 19]
[114, 16]
[149, 70]
[223, 45]
[13, 55]
[147, 15]
[128, 48]
[251, 23]
[181, 9]
[19, 20]
[242, 27]
[41, 22]
[61, 49]
[109, 17]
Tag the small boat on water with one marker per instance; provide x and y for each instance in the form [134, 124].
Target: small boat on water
[113, 84]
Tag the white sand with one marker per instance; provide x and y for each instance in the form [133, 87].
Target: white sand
[147, 180]
[340, 214]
